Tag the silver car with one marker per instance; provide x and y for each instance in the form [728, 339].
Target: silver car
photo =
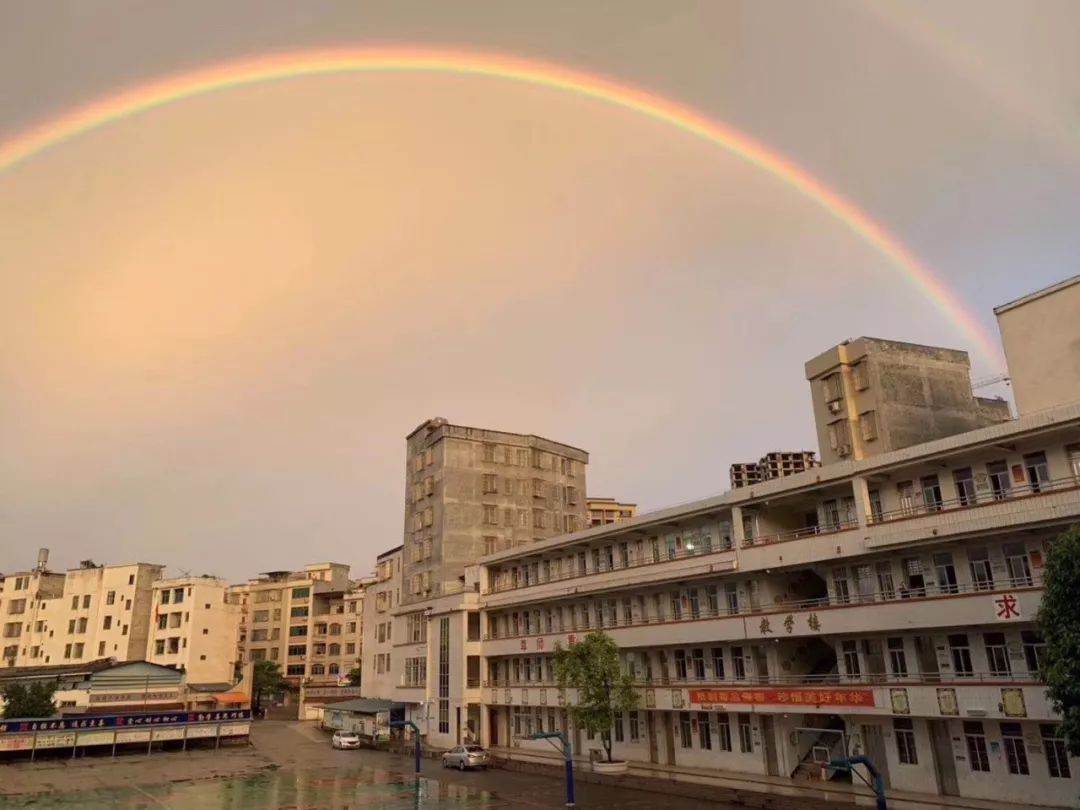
[465, 756]
[345, 739]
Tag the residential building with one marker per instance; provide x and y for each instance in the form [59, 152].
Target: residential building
[295, 618]
[23, 623]
[603, 511]
[377, 678]
[873, 396]
[194, 628]
[103, 611]
[471, 491]
[777, 464]
[1041, 335]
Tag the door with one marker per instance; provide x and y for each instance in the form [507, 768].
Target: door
[946, 572]
[927, 657]
[768, 736]
[670, 719]
[493, 727]
[874, 745]
[944, 764]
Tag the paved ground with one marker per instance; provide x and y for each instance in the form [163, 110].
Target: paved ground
[291, 765]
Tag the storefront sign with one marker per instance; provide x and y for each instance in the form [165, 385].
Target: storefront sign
[54, 740]
[133, 697]
[94, 738]
[143, 735]
[21, 742]
[198, 732]
[167, 733]
[342, 692]
[235, 729]
[798, 697]
[121, 721]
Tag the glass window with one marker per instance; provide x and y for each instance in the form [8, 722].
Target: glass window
[746, 737]
[904, 729]
[685, 737]
[1057, 754]
[897, 657]
[982, 576]
[704, 732]
[978, 758]
[997, 655]
[1012, 739]
[961, 655]
[723, 736]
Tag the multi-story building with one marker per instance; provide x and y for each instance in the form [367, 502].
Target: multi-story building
[603, 511]
[471, 491]
[873, 396]
[23, 596]
[287, 616]
[777, 464]
[194, 628]
[102, 611]
[377, 678]
[1042, 365]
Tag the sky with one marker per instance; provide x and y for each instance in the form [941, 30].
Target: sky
[220, 318]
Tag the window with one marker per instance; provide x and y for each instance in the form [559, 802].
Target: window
[680, 665]
[704, 732]
[77, 650]
[861, 376]
[976, 746]
[931, 493]
[1017, 564]
[110, 597]
[298, 612]
[635, 727]
[738, 664]
[489, 452]
[294, 670]
[444, 675]
[965, 486]
[107, 623]
[746, 737]
[1034, 648]
[617, 722]
[71, 626]
[832, 388]
[81, 628]
[697, 657]
[297, 631]
[868, 424]
[301, 593]
[178, 595]
[159, 646]
[897, 657]
[416, 671]
[686, 740]
[961, 655]
[75, 602]
[876, 512]
[491, 484]
[904, 730]
[1038, 473]
[1057, 755]
[491, 514]
[997, 655]
[1012, 739]
[718, 663]
[731, 595]
[131, 579]
[851, 659]
[998, 472]
[723, 727]
[416, 628]
[946, 572]
[982, 575]
[840, 585]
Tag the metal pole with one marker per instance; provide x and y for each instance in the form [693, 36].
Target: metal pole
[569, 752]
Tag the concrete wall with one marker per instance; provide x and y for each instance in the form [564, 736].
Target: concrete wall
[1041, 335]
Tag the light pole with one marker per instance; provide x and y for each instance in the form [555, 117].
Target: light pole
[568, 755]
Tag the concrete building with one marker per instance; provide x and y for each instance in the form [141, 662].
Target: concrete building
[286, 616]
[377, 676]
[194, 628]
[89, 612]
[873, 396]
[1041, 335]
[23, 596]
[471, 491]
[603, 511]
[777, 464]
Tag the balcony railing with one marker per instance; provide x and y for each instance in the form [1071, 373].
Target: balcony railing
[828, 679]
[934, 506]
[617, 565]
[797, 534]
[705, 612]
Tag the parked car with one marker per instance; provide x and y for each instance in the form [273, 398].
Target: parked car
[345, 739]
[465, 756]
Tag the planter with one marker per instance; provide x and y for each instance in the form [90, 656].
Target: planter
[610, 768]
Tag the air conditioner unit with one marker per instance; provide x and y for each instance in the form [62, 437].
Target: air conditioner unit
[835, 406]
[843, 450]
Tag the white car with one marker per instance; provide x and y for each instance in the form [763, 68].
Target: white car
[465, 756]
[345, 739]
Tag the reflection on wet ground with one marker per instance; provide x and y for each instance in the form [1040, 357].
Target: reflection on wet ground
[338, 788]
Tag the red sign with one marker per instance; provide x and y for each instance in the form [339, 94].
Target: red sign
[1006, 608]
[796, 697]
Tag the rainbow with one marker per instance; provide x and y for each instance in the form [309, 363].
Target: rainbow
[230, 75]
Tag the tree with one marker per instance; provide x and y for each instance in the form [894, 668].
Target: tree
[592, 668]
[29, 700]
[265, 680]
[1059, 620]
[354, 674]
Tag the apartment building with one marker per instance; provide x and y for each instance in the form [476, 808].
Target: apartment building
[471, 491]
[1043, 367]
[377, 677]
[603, 511]
[297, 619]
[23, 596]
[776, 464]
[194, 628]
[872, 396]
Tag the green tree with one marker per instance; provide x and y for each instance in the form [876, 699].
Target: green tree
[592, 668]
[1059, 620]
[265, 680]
[34, 699]
[354, 674]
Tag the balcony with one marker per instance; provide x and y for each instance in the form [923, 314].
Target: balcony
[973, 500]
[858, 613]
[799, 534]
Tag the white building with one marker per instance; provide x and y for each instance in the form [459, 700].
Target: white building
[194, 628]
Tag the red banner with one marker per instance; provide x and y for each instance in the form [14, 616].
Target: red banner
[797, 697]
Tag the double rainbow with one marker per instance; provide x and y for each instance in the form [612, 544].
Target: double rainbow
[401, 60]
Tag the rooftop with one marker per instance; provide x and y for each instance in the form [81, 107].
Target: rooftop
[1053, 288]
[439, 422]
